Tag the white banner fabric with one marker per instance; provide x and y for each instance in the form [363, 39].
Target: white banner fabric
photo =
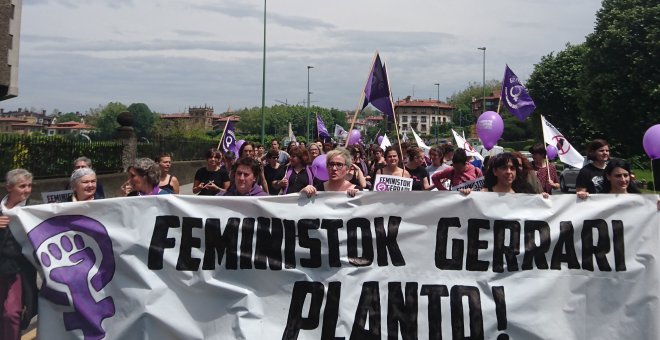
[418, 264]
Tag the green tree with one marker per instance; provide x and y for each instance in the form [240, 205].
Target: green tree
[462, 101]
[555, 86]
[621, 78]
[105, 121]
[144, 119]
[68, 117]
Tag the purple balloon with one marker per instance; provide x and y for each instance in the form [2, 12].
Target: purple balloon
[380, 140]
[319, 168]
[489, 128]
[651, 142]
[354, 137]
[551, 152]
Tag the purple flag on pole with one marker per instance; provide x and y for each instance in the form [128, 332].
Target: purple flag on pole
[320, 126]
[377, 90]
[229, 139]
[515, 96]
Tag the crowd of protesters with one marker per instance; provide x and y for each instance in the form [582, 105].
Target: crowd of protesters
[260, 172]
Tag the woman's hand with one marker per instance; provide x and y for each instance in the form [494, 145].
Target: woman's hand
[582, 194]
[465, 191]
[4, 221]
[352, 192]
[309, 191]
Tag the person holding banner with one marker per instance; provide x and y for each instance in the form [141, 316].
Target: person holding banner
[167, 181]
[616, 179]
[590, 177]
[461, 171]
[392, 160]
[84, 162]
[247, 172]
[18, 286]
[545, 171]
[144, 175]
[337, 163]
[83, 183]
[211, 179]
[416, 168]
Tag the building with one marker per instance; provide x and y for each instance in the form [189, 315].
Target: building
[196, 118]
[492, 101]
[422, 114]
[10, 29]
[68, 128]
[24, 121]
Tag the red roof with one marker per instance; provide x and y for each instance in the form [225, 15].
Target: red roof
[3, 119]
[233, 118]
[71, 126]
[374, 118]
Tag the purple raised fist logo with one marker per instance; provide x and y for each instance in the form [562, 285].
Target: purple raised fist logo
[76, 255]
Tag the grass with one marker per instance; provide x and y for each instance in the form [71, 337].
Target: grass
[646, 175]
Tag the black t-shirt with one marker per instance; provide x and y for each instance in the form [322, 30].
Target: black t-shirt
[219, 177]
[273, 175]
[297, 181]
[418, 174]
[592, 178]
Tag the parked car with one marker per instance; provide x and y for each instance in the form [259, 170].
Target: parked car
[568, 178]
[527, 155]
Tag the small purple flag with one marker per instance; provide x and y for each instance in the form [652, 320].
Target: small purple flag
[515, 96]
[377, 90]
[320, 127]
[229, 139]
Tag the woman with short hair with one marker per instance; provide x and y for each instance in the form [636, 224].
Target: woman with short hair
[416, 167]
[83, 183]
[590, 177]
[144, 175]
[338, 162]
[18, 286]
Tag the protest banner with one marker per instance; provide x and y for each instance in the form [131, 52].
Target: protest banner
[407, 265]
[392, 183]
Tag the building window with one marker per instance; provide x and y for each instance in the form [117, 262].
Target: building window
[404, 127]
[414, 119]
[423, 127]
[404, 119]
[444, 119]
[423, 119]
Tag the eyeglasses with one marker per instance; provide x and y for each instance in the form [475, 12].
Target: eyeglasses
[334, 165]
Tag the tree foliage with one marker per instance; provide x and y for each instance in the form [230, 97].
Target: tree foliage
[144, 119]
[620, 85]
[554, 86]
[68, 117]
[278, 117]
[105, 121]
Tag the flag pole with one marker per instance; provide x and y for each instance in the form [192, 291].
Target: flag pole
[396, 126]
[361, 101]
[223, 134]
[318, 132]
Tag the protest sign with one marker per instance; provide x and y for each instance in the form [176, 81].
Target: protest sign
[56, 196]
[413, 264]
[392, 183]
[475, 184]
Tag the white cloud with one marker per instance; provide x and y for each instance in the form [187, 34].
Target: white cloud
[171, 54]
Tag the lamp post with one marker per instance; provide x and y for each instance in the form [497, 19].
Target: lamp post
[483, 103]
[308, 94]
[263, 86]
[437, 115]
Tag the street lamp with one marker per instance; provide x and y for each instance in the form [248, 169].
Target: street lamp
[263, 86]
[437, 115]
[308, 93]
[483, 103]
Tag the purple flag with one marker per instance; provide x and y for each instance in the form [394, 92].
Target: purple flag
[377, 90]
[515, 96]
[229, 139]
[320, 127]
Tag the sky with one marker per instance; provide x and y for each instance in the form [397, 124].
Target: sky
[76, 55]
